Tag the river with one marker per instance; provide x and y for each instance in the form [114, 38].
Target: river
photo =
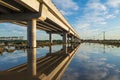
[94, 62]
[91, 62]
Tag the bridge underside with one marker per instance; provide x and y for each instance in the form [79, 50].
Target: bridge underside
[47, 15]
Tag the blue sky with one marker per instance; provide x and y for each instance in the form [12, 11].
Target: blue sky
[91, 17]
[88, 17]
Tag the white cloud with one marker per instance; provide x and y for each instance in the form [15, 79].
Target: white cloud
[14, 30]
[83, 56]
[113, 77]
[110, 16]
[67, 7]
[117, 70]
[114, 3]
[66, 12]
[116, 11]
[95, 12]
[97, 6]
[103, 59]
[96, 15]
[110, 65]
[66, 4]
[82, 25]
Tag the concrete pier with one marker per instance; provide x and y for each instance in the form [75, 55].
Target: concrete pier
[31, 33]
[50, 49]
[50, 38]
[72, 39]
[31, 52]
[31, 67]
[65, 38]
[65, 42]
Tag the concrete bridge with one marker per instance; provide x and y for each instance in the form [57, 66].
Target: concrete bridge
[37, 14]
[40, 14]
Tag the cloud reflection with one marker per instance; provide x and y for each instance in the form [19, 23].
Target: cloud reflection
[87, 65]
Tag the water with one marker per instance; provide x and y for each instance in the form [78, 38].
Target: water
[8, 60]
[94, 62]
[91, 62]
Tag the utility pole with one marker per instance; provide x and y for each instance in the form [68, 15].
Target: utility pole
[103, 35]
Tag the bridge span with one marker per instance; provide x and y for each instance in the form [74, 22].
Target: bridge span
[40, 14]
[37, 14]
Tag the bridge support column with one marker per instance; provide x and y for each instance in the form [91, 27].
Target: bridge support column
[31, 33]
[31, 42]
[75, 40]
[65, 38]
[69, 41]
[31, 67]
[50, 38]
[72, 42]
[65, 42]
[72, 39]
[50, 49]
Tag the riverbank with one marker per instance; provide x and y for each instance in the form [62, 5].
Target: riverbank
[24, 42]
[106, 42]
[11, 46]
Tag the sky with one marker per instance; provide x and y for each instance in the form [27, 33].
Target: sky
[90, 18]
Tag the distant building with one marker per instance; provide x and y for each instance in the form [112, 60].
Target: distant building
[12, 38]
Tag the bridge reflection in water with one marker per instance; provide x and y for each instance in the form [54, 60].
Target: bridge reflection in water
[49, 67]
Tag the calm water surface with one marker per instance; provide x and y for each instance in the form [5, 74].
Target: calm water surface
[91, 62]
[8, 60]
[94, 62]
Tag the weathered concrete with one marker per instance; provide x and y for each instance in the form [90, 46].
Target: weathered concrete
[31, 52]
[31, 33]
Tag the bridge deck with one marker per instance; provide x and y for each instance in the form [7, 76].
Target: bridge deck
[48, 16]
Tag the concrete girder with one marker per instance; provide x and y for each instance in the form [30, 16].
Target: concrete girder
[32, 5]
[9, 6]
[51, 25]
[22, 16]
